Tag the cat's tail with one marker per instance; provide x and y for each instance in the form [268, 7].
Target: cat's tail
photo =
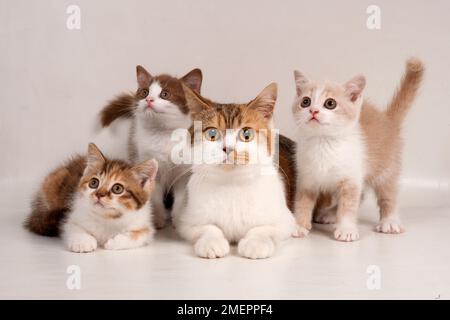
[123, 106]
[52, 202]
[404, 96]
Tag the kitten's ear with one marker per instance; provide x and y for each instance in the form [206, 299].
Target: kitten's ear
[144, 78]
[300, 82]
[355, 87]
[146, 172]
[265, 101]
[194, 101]
[95, 158]
[193, 79]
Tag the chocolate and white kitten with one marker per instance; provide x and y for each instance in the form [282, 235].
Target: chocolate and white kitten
[92, 201]
[236, 192]
[345, 144]
[144, 122]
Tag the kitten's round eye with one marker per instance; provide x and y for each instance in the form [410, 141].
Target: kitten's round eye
[93, 183]
[212, 134]
[165, 94]
[142, 93]
[306, 102]
[330, 104]
[246, 134]
[117, 188]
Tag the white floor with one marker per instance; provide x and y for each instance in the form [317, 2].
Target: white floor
[413, 265]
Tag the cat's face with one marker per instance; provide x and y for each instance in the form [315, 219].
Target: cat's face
[233, 134]
[327, 108]
[163, 96]
[114, 188]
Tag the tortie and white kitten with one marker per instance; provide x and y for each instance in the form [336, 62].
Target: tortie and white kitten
[139, 126]
[345, 144]
[92, 201]
[236, 193]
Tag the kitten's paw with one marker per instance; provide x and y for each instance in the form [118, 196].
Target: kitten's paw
[346, 233]
[300, 232]
[390, 225]
[212, 247]
[325, 217]
[82, 243]
[256, 248]
[119, 242]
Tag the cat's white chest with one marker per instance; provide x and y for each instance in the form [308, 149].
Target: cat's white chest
[324, 162]
[236, 207]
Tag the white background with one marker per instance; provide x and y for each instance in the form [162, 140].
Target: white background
[54, 81]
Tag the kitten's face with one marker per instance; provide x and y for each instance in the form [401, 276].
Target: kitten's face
[233, 134]
[163, 96]
[327, 108]
[114, 188]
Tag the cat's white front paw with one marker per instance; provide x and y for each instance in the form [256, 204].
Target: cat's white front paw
[256, 248]
[82, 243]
[119, 242]
[327, 217]
[390, 225]
[212, 247]
[346, 233]
[300, 232]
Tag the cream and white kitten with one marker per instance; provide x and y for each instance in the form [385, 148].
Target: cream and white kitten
[344, 144]
[235, 193]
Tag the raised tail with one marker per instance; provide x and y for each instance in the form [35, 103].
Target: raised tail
[404, 96]
[122, 106]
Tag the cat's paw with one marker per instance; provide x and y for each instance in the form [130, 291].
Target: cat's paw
[390, 225]
[211, 247]
[82, 243]
[119, 242]
[326, 217]
[300, 232]
[256, 248]
[346, 233]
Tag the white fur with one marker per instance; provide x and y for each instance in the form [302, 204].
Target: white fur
[87, 227]
[152, 137]
[244, 204]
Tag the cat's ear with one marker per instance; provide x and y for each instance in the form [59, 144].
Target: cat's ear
[193, 79]
[146, 172]
[194, 101]
[300, 82]
[95, 158]
[265, 101]
[144, 78]
[355, 87]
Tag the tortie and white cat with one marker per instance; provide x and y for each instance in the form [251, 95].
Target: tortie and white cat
[253, 186]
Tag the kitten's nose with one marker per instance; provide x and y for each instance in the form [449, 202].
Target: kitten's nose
[228, 149]
[314, 111]
[150, 101]
[100, 195]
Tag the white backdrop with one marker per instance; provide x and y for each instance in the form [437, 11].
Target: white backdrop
[53, 81]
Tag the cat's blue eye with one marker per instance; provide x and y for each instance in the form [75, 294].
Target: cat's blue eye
[212, 134]
[246, 134]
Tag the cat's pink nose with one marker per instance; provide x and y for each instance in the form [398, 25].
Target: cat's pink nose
[313, 111]
[150, 102]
